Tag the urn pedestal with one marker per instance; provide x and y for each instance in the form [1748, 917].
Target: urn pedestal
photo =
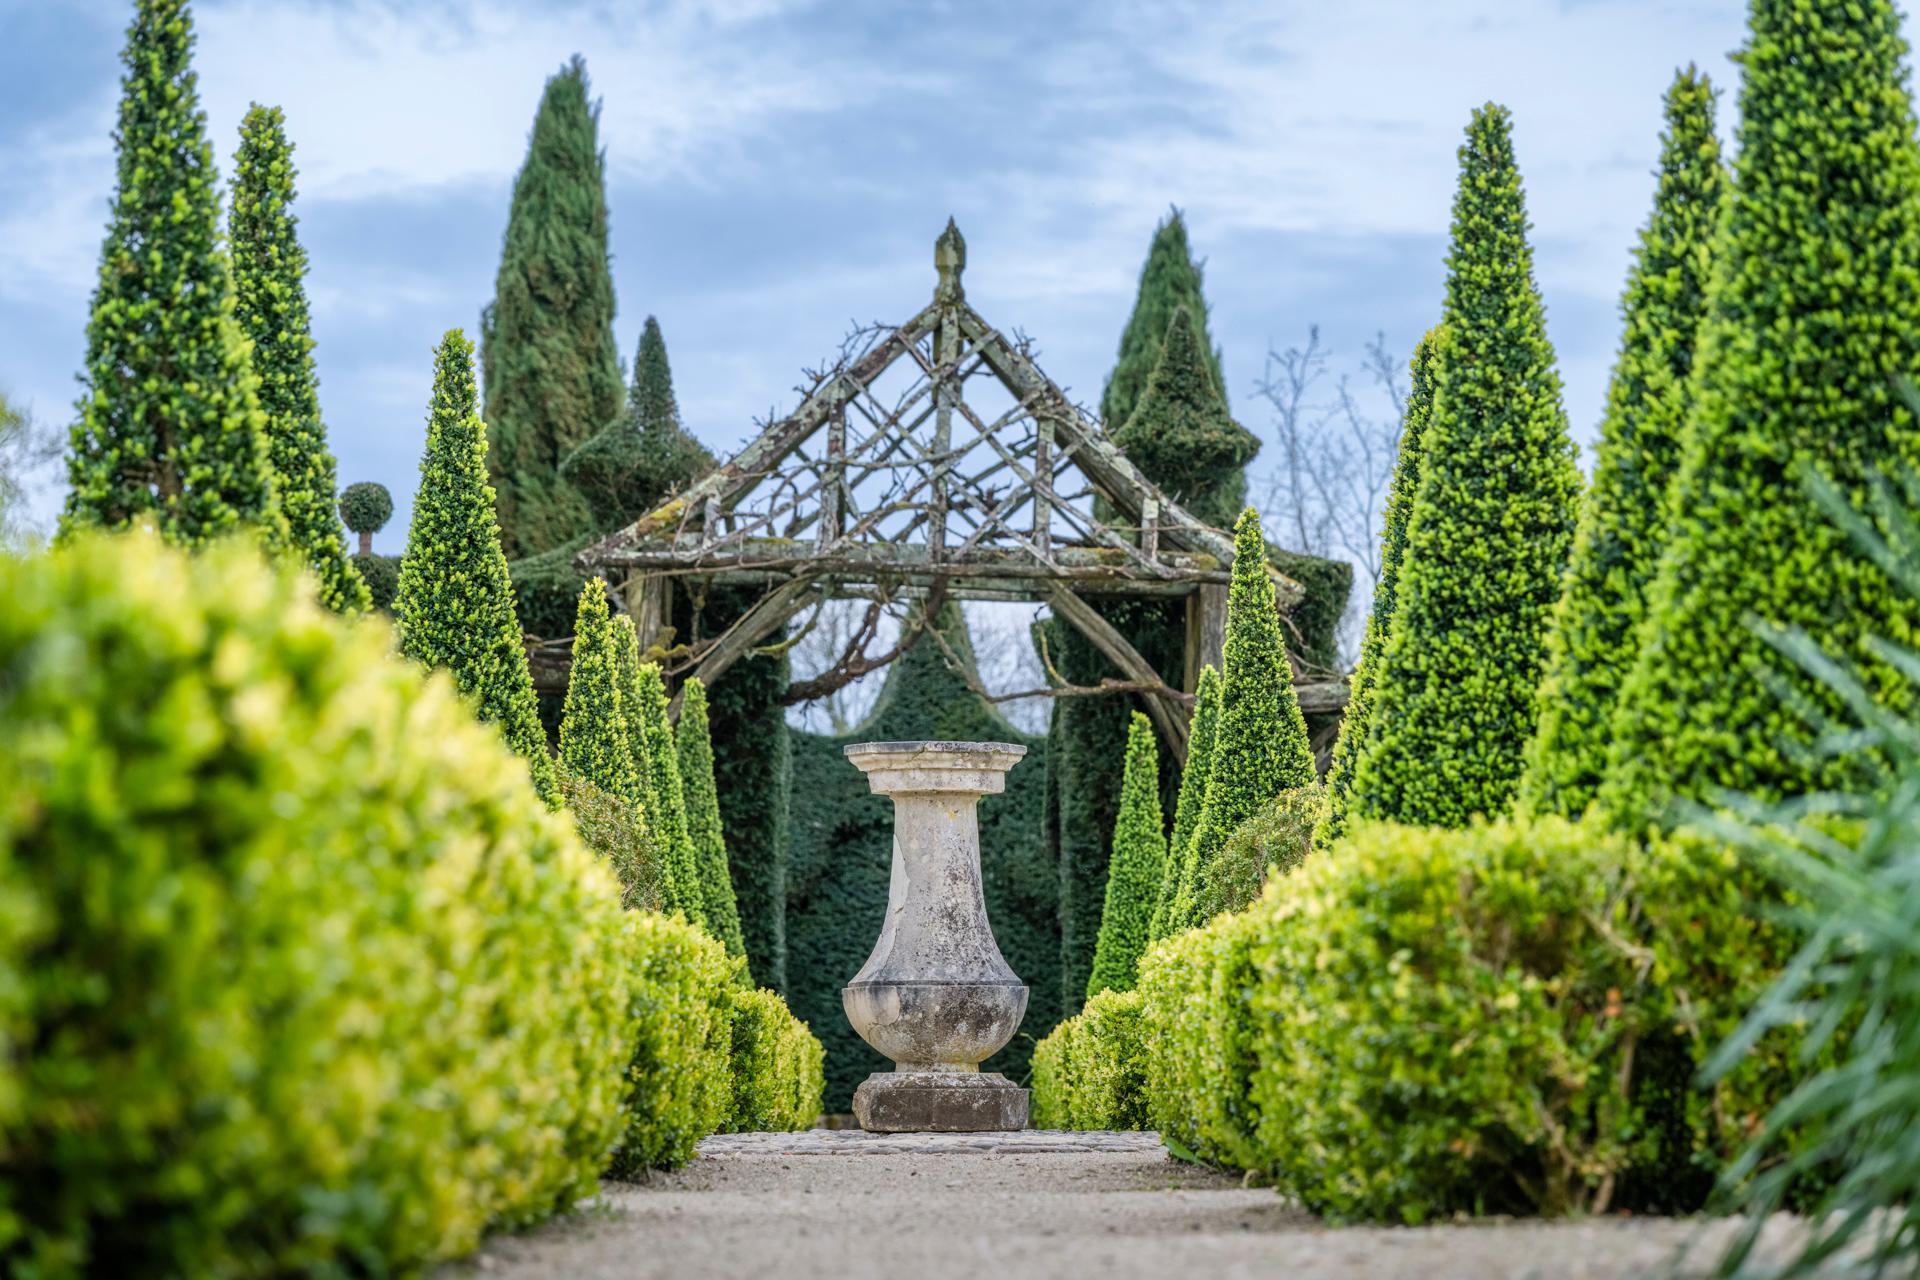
[936, 995]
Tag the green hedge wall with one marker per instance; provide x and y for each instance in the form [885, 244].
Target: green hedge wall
[842, 851]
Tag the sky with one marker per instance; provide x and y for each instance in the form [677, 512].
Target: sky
[778, 171]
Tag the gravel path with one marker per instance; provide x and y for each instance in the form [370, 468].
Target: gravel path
[837, 1203]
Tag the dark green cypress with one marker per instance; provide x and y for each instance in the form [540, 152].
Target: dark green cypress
[269, 275]
[1813, 310]
[169, 426]
[1169, 280]
[552, 370]
[695, 748]
[1181, 433]
[1137, 869]
[454, 608]
[1260, 741]
[639, 457]
[1175, 898]
[1453, 704]
[666, 801]
[593, 727]
[1357, 722]
[1624, 521]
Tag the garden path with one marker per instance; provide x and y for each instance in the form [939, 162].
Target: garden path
[840, 1203]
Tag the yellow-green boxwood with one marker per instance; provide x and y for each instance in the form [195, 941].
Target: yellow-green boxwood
[778, 1065]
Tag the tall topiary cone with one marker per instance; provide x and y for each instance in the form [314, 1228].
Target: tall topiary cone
[1358, 721]
[1169, 280]
[1182, 434]
[269, 273]
[1176, 877]
[169, 426]
[634, 461]
[1260, 741]
[553, 372]
[666, 802]
[1488, 534]
[702, 801]
[1813, 309]
[1136, 869]
[454, 608]
[1624, 521]
[593, 727]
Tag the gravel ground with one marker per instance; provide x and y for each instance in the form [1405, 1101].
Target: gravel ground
[930, 1207]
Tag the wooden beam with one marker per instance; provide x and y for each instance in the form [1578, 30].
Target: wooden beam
[1168, 716]
[1098, 566]
[753, 626]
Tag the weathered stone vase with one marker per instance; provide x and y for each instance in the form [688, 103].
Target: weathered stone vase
[936, 995]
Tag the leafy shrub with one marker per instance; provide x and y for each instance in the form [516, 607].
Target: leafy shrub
[615, 830]
[1273, 841]
[297, 965]
[1196, 988]
[1090, 1072]
[778, 1066]
[382, 576]
[680, 1076]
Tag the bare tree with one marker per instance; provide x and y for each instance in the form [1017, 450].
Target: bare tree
[26, 448]
[1337, 446]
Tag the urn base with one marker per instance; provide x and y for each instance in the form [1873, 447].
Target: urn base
[939, 1102]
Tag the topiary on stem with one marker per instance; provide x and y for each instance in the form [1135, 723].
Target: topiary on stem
[1453, 704]
[1358, 721]
[169, 427]
[1625, 520]
[454, 608]
[1260, 743]
[365, 508]
[695, 750]
[1136, 868]
[270, 290]
[1813, 310]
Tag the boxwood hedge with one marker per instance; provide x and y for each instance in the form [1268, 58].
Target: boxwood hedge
[1090, 1072]
[777, 1066]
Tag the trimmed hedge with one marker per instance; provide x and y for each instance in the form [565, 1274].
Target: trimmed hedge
[1502, 1019]
[778, 1066]
[301, 968]
[1090, 1073]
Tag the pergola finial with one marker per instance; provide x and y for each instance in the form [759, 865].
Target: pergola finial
[950, 259]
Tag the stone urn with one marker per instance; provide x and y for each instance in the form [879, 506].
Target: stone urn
[936, 995]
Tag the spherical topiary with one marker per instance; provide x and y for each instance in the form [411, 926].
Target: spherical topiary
[365, 507]
[283, 927]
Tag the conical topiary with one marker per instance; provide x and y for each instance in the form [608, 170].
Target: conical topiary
[553, 372]
[1177, 875]
[1260, 741]
[1490, 527]
[1357, 722]
[169, 426]
[1136, 868]
[1169, 280]
[638, 458]
[1181, 432]
[454, 608]
[702, 802]
[593, 726]
[270, 290]
[1623, 523]
[666, 803]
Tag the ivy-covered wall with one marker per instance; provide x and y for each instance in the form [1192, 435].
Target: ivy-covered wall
[840, 853]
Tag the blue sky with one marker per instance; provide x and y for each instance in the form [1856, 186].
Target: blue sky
[778, 170]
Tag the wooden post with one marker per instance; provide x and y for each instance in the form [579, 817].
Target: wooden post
[832, 513]
[1150, 527]
[1206, 632]
[653, 608]
[1043, 482]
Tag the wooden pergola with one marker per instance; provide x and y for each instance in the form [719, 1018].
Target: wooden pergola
[933, 460]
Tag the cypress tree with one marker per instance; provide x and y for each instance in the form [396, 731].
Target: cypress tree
[593, 727]
[270, 290]
[552, 370]
[1260, 740]
[169, 426]
[666, 802]
[695, 751]
[1181, 433]
[1813, 309]
[1136, 869]
[1357, 723]
[454, 608]
[1169, 280]
[1623, 523]
[1491, 523]
[1177, 877]
[639, 457]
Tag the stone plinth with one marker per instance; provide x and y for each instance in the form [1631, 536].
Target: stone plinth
[936, 995]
